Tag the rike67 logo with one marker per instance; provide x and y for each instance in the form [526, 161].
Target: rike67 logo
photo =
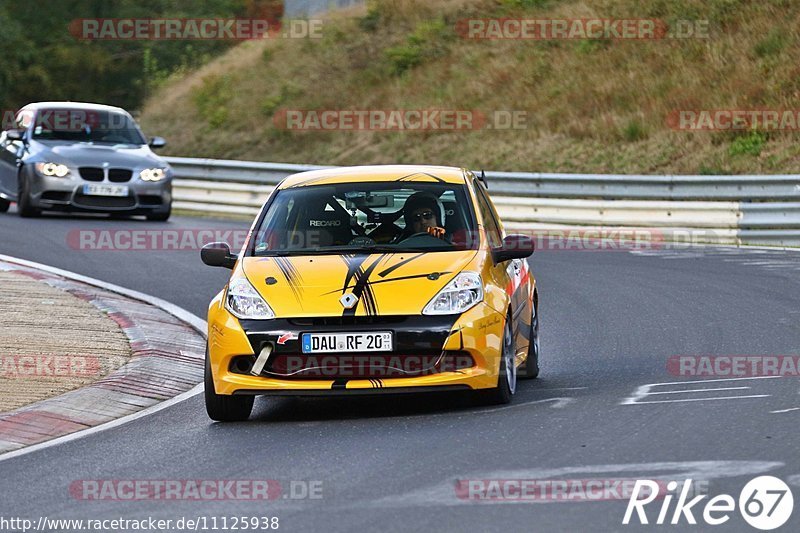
[765, 503]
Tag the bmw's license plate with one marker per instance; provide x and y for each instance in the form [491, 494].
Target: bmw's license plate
[376, 341]
[105, 190]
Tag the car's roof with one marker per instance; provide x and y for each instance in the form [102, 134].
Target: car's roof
[360, 174]
[74, 105]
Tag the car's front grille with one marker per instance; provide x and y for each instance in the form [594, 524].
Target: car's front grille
[119, 175]
[91, 173]
[83, 200]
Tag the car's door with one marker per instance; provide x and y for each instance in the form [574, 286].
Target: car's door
[513, 273]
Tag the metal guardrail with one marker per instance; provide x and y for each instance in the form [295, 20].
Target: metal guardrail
[726, 209]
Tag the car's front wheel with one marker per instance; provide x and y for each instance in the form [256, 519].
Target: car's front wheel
[25, 208]
[224, 408]
[507, 378]
[4, 205]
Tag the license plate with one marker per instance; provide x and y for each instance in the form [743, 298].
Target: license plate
[377, 341]
[105, 190]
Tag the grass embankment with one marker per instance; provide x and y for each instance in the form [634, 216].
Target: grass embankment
[592, 105]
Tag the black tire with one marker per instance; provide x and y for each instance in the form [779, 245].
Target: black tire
[225, 408]
[530, 368]
[160, 216]
[24, 207]
[506, 383]
[4, 205]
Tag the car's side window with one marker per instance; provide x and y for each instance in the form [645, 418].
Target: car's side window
[488, 216]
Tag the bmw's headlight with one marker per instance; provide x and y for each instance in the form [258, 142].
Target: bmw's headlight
[463, 292]
[153, 174]
[244, 301]
[52, 169]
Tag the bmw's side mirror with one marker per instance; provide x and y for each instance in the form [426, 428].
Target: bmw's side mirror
[514, 247]
[218, 254]
[157, 142]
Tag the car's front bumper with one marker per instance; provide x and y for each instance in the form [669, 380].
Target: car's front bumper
[66, 194]
[475, 335]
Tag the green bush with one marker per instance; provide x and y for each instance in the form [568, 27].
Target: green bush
[771, 45]
[211, 99]
[750, 144]
[429, 40]
[634, 131]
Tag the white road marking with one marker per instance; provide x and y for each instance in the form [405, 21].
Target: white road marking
[559, 403]
[786, 410]
[178, 312]
[706, 399]
[647, 390]
[563, 388]
[697, 390]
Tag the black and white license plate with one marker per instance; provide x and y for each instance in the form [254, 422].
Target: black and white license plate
[375, 341]
[96, 189]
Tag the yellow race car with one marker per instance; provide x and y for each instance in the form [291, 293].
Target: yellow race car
[372, 280]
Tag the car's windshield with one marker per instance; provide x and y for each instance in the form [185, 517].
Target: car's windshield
[86, 125]
[366, 217]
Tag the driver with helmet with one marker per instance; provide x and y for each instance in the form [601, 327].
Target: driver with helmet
[422, 213]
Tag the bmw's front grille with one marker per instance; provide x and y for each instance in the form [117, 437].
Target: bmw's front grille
[91, 173]
[82, 200]
[119, 175]
[115, 175]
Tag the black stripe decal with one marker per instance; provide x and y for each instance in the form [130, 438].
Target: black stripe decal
[392, 268]
[293, 277]
[370, 283]
[339, 384]
[361, 289]
[410, 177]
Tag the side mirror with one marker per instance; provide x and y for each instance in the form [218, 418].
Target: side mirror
[15, 135]
[218, 254]
[514, 247]
[157, 142]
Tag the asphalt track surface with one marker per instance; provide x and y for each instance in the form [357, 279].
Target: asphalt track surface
[610, 321]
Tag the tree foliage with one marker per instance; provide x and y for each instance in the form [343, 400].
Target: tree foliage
[40, 59]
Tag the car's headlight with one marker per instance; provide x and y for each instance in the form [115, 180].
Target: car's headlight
[52, 169]
[244, 301]
[153, 174]
[463, 292]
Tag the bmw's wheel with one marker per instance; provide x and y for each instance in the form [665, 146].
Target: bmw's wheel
[224, 408]
[4, 205]
[507, 378]
[530, 368]
[24, 207]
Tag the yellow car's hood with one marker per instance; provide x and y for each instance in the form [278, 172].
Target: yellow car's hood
[385, 284]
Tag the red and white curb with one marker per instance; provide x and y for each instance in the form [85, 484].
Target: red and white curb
[167, 342]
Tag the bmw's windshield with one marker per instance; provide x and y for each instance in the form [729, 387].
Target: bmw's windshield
[86, 125]
[366, 218]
